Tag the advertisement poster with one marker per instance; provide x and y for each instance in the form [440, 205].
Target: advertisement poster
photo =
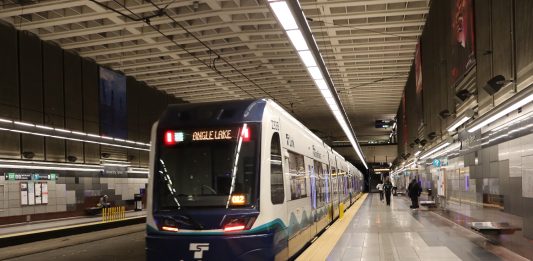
[38, 199]
[44, 188]
[441, 183]
[113, 110]
[31, 194]
[462, 36]
[24, 193]
[419, 87]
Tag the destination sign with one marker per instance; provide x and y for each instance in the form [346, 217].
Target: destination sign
[212, 135]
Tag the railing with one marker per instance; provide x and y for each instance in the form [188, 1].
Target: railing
[113, 214]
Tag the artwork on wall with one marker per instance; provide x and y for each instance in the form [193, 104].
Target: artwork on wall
[23, 193]
[419, 86]
[113, 107]
[462, 56]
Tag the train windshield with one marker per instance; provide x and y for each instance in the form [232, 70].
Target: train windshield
[213, 167]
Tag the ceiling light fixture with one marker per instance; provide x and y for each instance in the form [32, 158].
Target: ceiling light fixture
[46, 131]
[437, 148]
[461, 119]
[291, 17]
[518, 100]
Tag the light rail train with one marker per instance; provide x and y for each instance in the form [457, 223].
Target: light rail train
[240, 180]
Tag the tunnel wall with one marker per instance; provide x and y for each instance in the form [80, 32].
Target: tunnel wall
[46, 85]
[497, 176]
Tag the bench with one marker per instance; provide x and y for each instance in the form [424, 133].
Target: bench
[428, 203]
[494, 227]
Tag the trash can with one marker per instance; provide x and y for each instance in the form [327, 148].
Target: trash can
[138, 199]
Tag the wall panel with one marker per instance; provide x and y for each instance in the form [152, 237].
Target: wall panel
[502, 38]
[73, 101]
[31, 90]
[483, 17]
[54, 101]
[524, 38]
[9, 100]
[90, 87]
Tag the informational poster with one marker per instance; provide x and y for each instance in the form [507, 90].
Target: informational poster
[24, 193]
[441, 183]
[44, 188]
[38, 193]
[31, 194]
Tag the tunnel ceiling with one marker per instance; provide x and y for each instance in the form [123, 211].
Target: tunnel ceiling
[368, 47]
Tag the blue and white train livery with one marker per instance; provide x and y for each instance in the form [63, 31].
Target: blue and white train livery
[240, 180]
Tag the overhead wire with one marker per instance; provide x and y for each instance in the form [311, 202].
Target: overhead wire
[170, 38]
[209, 48]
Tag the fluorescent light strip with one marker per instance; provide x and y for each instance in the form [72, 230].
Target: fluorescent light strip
[416, 153]
[44, 167]
[298, 40]
[307, 58]
[24, 123]
[4, 120]
[513, 121]
[73, 139]
[435, 150]
[283, 12]
[48, 163]
[286, 18]
[502, 113]
[458, 123]
[79, 133]
[315, 73]
[62, 130]
[44, 127]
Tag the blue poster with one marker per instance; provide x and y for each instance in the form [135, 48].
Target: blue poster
[113, 110]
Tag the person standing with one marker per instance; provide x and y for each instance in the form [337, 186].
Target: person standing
[387, 188]
[414, 190]
[380, 188]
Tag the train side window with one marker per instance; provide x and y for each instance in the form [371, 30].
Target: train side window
[277, 191]
[298, 176]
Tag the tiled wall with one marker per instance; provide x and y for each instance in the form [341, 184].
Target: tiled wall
[498, 176]
[69, 194]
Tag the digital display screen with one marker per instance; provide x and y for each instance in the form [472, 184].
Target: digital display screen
[173, 137]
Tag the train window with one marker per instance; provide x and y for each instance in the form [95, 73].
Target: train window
[277, 191]
[204, 167]
[320, 184]
[297, 173]
[326, 182]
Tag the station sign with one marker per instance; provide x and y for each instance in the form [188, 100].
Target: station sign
[437, 163]
[30, 176]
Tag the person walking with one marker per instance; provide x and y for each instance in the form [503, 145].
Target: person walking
[414, 190]
[387, 188]
[380, 188]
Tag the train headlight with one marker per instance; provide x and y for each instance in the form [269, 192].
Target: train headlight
[169, 225]
[232, 224]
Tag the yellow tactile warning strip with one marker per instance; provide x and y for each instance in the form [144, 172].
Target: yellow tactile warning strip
[320, 249]
[64, 227]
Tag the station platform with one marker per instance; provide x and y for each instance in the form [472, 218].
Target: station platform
[371, 230]
[13, 234]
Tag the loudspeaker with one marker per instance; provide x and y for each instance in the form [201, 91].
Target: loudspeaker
[462, 95]
[28, 154]
[495, 84]
[444, 114]
[432, 135]
[71, 158]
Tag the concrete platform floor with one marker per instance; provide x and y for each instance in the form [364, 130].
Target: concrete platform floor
[381, 232]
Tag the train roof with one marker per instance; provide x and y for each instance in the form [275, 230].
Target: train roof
[213, 113]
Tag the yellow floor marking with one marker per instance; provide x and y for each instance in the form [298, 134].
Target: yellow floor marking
[321, 248]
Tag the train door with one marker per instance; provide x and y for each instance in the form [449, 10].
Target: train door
[334, 189]
[298, 207]
[312, 174]
[327, 192]
[277, 191]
